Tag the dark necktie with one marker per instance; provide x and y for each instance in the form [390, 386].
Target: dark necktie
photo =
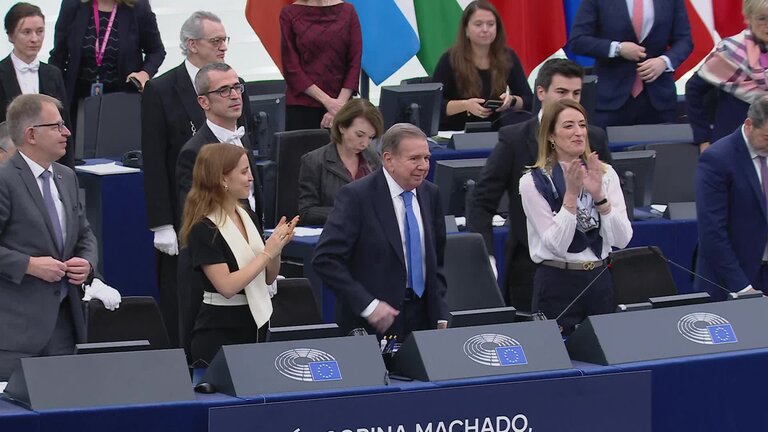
[54, 216]
[413, 246]
[764, 176]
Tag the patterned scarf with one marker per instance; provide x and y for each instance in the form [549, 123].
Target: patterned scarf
[737, 66]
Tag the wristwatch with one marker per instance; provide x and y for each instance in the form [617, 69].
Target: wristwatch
[618, 49]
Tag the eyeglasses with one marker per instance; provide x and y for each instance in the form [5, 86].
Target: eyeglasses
[216, 42]
[59, 125]
[226, 91]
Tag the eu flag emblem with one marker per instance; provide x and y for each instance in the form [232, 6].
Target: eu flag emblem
[511, 355]
[325, 371]
[722, 333]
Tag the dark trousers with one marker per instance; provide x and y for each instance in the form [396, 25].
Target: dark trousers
[62, 342]
[518, 276]
[762, 279]
[167, 282]
[413, 316]
[303, 117]
[635, 111]
[554, 289]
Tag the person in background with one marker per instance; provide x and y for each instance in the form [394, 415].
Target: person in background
[321, 46]
[381, 251]
[232, 262]
[731, 195]
[7, 148]
[99, 45]
[732, 77]
[480, 67]
[517, 149]
[22, 73]
[637, 45]
[575, 213]
[346, 158]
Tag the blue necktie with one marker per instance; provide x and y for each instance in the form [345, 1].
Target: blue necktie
[413, 247]
[54, 216]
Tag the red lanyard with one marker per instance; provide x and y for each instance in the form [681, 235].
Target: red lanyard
[100, 51]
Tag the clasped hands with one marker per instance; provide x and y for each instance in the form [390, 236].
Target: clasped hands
[647, 69]
[50, 269]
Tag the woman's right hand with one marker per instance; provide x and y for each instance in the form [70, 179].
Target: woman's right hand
[574, 177]
[280, 237]
[474, 106]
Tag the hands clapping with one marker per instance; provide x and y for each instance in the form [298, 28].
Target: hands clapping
[589, 176]
[281, 236]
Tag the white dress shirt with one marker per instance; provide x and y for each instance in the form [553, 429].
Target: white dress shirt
[36, 171]
[26, 75]
[192, 70]
[551, 233]
[649, 16]
[225, 135]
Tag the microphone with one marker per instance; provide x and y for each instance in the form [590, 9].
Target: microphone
[584, 291]
[731, 295]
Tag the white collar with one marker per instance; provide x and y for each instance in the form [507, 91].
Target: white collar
[34, 166]
[223, 134]
[394, 188]
[192, 70]
[20, 65]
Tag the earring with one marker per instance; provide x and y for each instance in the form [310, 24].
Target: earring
[226, 188]
[552, 144]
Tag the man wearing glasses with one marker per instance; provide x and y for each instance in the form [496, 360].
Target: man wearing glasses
[170, 116]
[47, 249]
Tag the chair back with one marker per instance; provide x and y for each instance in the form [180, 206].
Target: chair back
[137, 318]
[416, 80]
[111, 125]
[294, 304]
[675, 172]
[468, 273]
[640, 273]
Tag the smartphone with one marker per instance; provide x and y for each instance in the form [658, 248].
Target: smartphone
[136, 83]
[493, 104]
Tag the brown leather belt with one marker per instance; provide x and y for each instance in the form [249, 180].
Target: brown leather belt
[581, 266]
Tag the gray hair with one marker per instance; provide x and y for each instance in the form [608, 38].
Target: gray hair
[5, 138]
[750, 8]
[24, 111]
[758, 112]
[390, 141]
[202, 82]
[193, 28]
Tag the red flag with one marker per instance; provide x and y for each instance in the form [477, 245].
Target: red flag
[264, 18]
[702, 41]
[728, 17]
[535, 28]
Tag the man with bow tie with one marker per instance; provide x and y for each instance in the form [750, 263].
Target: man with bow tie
[220, 95]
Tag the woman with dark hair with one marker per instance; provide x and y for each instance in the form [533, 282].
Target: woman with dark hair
[346, 158]
[575, 214]
[322, 46]
[479, 68]
[99, 45]
[231, 261]
[22, 73]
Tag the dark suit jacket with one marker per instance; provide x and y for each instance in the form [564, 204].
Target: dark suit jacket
[712, 112]
[141, 47]
[321, 175]
[51, 84]
[730, 205]
[170, 115]
[517, 149]
[599, 22]
[360, 253]
[29, 305]
[186, 162]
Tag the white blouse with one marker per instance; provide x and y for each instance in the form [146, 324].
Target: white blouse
[550, 234]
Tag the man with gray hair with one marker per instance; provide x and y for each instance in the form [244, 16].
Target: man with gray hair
[7, 148]
[170, 116]
[731, 192]
[381, 250]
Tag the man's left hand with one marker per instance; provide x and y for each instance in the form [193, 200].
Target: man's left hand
[651, 69]
[78, 270]
[442, 325]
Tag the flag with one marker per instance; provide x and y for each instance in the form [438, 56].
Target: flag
[437, 22]
[325, 370]
[264, 18]
[389, 41]
[728, 17]
[702, 41]
[569, 8]
[535, 28]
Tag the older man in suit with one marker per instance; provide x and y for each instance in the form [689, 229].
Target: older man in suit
[170, 116]
[47, 249]
[731, 192]
[381, 250]
[517, 149]
[637, 45]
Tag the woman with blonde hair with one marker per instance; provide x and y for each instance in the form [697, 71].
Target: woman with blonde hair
[233, 264]
[575, 214]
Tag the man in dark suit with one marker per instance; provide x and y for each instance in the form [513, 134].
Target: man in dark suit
[170, 116]
[381, 251]
[731, 191]
[637, 45]
[47, 249]
[517, 149]
[221, 98]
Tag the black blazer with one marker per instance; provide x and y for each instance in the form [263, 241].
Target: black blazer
[141, 47]
[170, 116]
[51, 84]
[517, 149]
[321, 175]
[360, 252]
[186, 163]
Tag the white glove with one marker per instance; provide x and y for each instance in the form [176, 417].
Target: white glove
[166, 240]
[272, 288]
[100, 291]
